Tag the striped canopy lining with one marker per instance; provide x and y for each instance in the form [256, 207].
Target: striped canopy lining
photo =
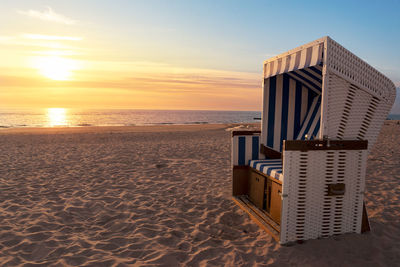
[292, 106]
[301, 59]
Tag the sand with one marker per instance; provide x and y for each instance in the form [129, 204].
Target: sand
[161, 196]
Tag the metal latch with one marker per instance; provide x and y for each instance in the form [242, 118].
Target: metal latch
[336, 189]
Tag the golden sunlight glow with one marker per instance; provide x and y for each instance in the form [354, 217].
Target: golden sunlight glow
[55, 67]
[57, 117]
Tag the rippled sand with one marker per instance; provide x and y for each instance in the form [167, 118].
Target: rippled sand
[122, 196]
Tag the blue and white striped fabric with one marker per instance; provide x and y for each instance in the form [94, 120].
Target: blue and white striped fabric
[245, 148]
[311, 124]
[310, 77]
[310, 55]
[289, 102]
[270, 167]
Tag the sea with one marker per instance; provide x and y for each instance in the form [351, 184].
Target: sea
[64, 117]
[394, 117]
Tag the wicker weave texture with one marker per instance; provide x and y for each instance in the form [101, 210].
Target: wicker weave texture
[307, 211]
[352, 113]
[345, 64]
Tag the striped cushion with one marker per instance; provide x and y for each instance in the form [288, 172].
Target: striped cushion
[270, 167]
[289, 99]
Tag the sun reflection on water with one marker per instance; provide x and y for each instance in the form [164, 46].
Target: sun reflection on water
[57, 117]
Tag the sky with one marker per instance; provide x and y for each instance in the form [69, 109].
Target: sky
[205, 55]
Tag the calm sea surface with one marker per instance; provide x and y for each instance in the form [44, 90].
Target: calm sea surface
[394, 117]
[57, 117]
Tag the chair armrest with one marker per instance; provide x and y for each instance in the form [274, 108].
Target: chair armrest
[270, 153]
[235, 133]
[306, 145]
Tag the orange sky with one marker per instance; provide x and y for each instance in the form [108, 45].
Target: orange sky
[130, 85]
[52, 60]
[169, 54]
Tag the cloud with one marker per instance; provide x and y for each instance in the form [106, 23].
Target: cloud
[137, 84]
[48, 15]
[199, 80]
[42, 41]
[184, 92]
[51, 37]
[6, 38]
[57, 53]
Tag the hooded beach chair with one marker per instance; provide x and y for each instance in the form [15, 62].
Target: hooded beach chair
[303, 175]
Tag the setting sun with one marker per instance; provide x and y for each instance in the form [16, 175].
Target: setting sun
[55, 67]
[56, 117]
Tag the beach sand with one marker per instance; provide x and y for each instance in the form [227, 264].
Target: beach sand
[161, 196]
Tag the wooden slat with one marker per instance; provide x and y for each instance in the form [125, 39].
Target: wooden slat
[234, 133]
[240, 180]
[257, 189]
[365, 227]
[237, 167]
[270, 153]
[262, 222]
[273, 179]
[265, 216]
[305, 145]
[276, 202]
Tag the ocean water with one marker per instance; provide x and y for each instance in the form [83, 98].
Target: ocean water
[394, 117]
[60, 117]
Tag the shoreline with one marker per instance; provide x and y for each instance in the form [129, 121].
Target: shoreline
[125, 129]
[133, 128]
[138, 128]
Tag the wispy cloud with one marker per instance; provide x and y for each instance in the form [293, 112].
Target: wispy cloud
[48, 15]
[158, 86]
[56, 53]
[50, 37]
[6, 38]
[42, 41]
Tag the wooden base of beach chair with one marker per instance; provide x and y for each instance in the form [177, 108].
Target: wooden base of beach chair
[258, 216]
[259, 196]
[365, 227]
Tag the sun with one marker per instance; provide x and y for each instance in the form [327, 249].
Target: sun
[57, 117]
[55, 67]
